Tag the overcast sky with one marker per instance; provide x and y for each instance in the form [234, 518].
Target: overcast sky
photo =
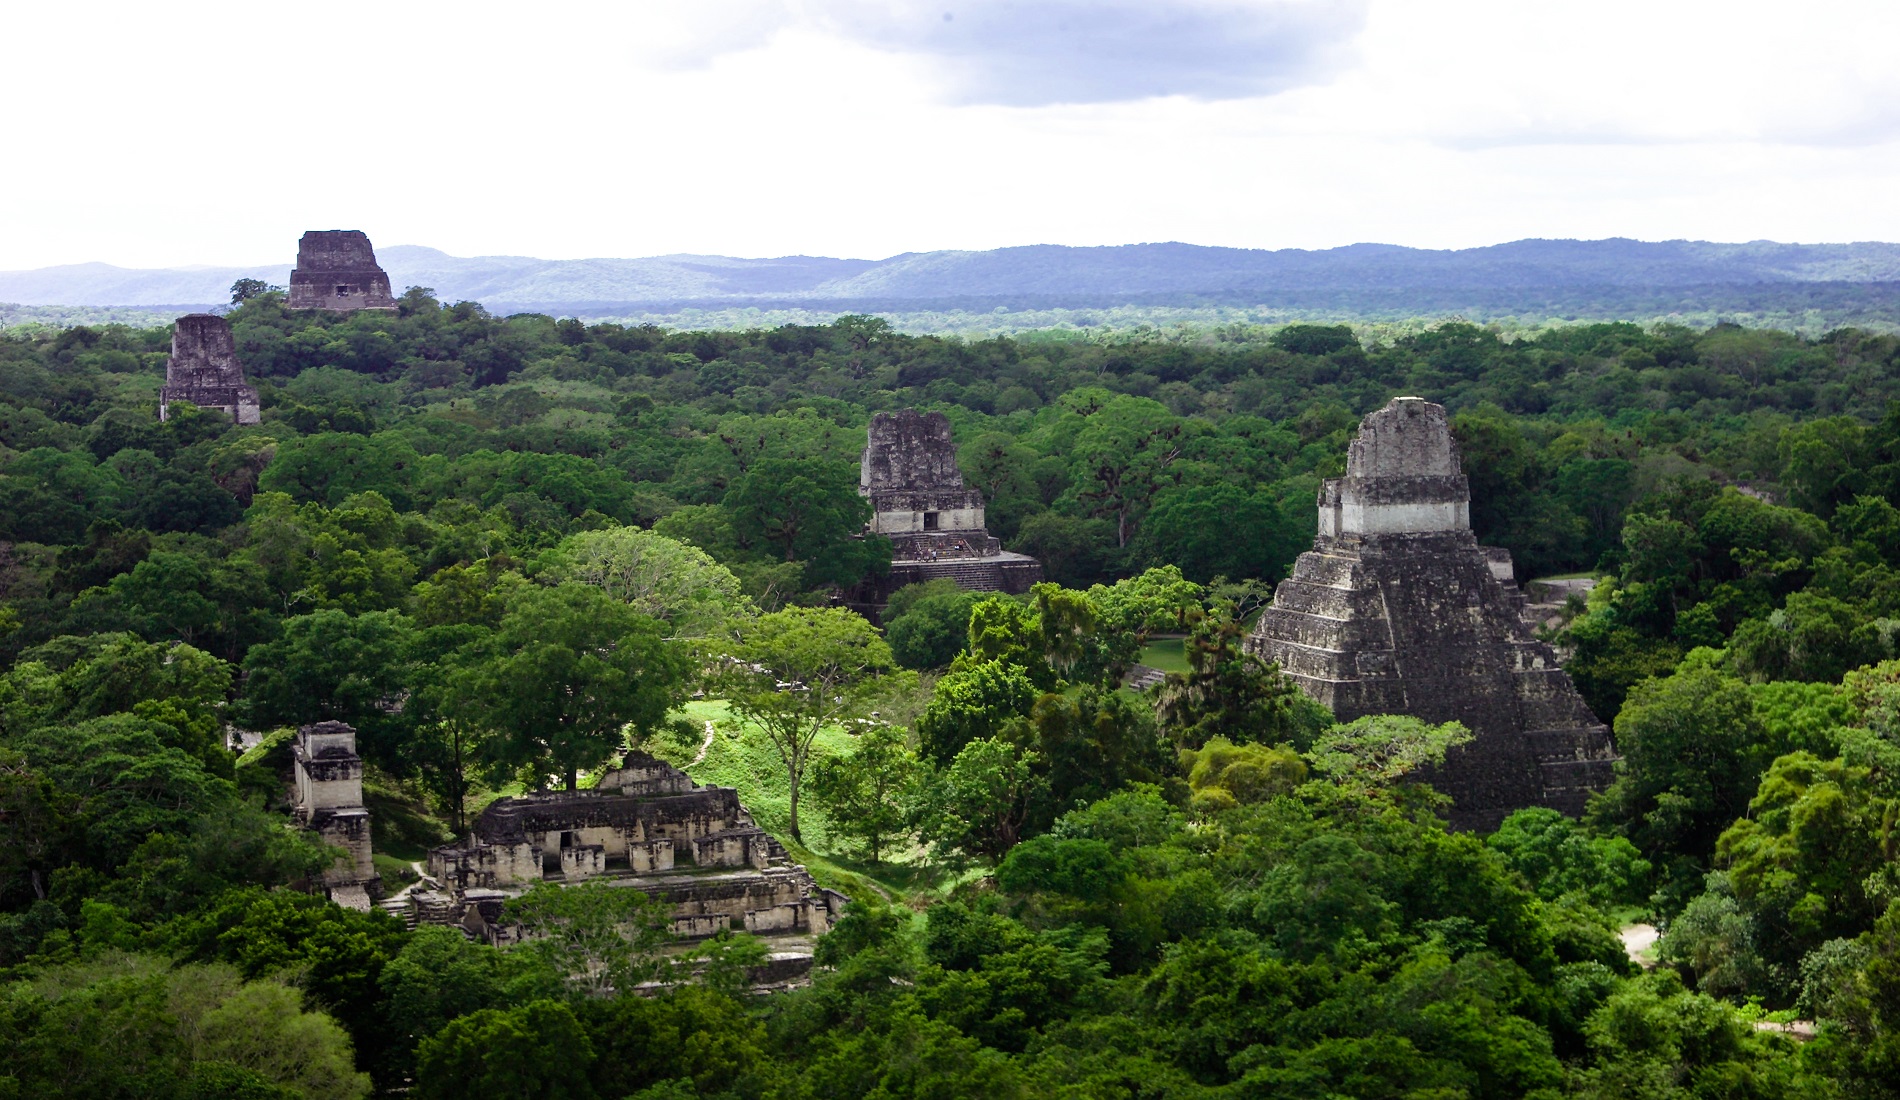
[178, 133]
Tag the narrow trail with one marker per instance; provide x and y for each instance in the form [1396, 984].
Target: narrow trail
[703, 746]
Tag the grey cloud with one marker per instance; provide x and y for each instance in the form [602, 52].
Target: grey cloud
[1032, 54]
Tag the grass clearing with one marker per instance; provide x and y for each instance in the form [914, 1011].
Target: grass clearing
[740, 756]
[395, 870]
[1169, 654]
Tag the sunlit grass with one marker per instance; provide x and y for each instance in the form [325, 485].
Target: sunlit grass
[1166, 654]
[740, 756]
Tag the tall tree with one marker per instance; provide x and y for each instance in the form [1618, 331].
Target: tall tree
[866, 793]
[576, 675]
[679, 584]
[1227, 692]
[809, 511]
[796, 671]
[981, 804]
[1122, 457]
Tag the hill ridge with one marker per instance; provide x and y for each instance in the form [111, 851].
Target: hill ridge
[1153, 272]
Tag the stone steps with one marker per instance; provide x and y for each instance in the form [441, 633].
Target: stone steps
[1141, 678]
[973, 574]
[400, 908]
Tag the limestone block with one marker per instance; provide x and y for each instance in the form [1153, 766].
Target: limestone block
[909, 451]
[583, 861]
[647, 856]
[779, 918]
[348, 830]
[732, 848]
[699, 927]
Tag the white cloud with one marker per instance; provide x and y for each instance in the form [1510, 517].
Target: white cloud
[1096, 51]
[1478, 73]
[201, 133]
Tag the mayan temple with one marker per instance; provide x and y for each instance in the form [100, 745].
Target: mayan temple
[910, 475]
[336, 270]
[203, 370]
[1398, 610]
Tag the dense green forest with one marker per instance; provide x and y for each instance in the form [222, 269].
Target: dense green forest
[508, 548]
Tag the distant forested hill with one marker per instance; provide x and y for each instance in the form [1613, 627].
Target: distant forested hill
[1609, 278]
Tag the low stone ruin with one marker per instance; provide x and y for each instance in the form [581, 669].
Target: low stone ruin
[1398, 610]
[328, 800]
[934, 521]
[203, 370]
[337, 270]
[646, 826]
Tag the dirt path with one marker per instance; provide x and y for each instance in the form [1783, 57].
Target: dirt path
[1798, 1030]
[703, 746]
[1639, 943]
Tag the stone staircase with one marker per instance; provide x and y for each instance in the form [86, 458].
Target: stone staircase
[975, 574]
[400, 908]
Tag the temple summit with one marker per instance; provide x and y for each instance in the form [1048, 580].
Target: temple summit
[336, 270]
[203, 370]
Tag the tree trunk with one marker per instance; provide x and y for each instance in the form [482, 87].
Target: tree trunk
[792, 774]
[573, 779]
[460, 784]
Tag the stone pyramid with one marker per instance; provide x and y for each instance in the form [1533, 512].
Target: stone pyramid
[1398, 610]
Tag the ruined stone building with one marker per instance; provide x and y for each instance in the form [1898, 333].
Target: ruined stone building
[328, 800]
[336, 270]
[203, 370]
[646, 826]
[934, 521]
[1398, 610]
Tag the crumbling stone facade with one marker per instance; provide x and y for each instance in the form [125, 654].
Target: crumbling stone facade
[336, 270]
[203, 370]
[646, 826]
[910, 475]
[328, 801]
[1398, 610]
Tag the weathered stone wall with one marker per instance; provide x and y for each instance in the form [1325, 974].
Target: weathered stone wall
[328, 772]
[327, 791]
[643, 776]
[626, 833]
[910, 474]
[1015, 574]
[909, 451]
[348, 830]
[1398, 610]
[1402, 476]
[337, 270]
[203, 370]
[912, 513]
[486, 867]
[745, 847]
